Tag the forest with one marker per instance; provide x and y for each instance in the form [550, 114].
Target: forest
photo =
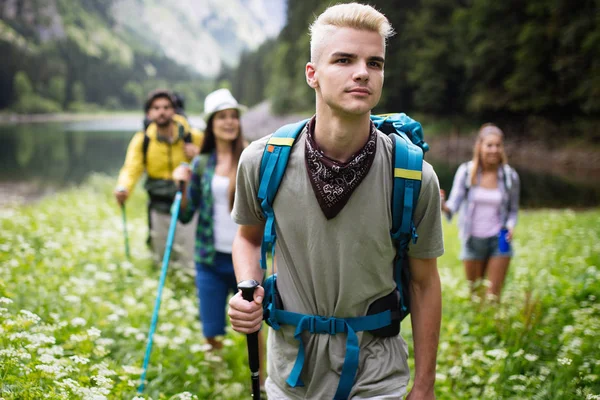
[531, 65]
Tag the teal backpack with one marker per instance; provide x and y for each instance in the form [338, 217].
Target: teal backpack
[384, 316]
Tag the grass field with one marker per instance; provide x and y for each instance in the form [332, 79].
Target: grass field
[74, 314]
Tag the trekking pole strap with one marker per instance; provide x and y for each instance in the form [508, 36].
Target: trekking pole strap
[331, 325]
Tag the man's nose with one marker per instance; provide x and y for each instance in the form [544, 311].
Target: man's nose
[361, 73]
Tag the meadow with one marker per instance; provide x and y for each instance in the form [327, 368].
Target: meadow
[75, 313]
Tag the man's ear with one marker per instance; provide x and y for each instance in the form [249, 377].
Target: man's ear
[311, 75]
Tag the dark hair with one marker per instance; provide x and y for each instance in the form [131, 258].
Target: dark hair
[237, 146]
[158, 94]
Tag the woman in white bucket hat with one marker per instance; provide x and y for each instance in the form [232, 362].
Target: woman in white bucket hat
[210, 190]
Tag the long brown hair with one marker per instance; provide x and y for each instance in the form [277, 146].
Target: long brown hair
[485, 131]
[237, 146]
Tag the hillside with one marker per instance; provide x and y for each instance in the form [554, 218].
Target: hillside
[74, 54]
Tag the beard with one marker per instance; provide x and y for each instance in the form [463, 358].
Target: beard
[163, 123]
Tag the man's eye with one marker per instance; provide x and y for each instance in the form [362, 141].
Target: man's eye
[342, 61]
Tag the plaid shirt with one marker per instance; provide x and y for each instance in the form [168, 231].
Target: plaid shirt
[200, 198]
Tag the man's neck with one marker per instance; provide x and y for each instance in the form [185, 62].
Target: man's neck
[165, 131]
[341, 136]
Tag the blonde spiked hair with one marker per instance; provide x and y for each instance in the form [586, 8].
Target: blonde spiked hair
[350, 15]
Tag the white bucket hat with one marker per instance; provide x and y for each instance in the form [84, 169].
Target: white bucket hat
[219, 100]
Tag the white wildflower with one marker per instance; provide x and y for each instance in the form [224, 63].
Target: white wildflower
[105, 342]
[78, 321]
[455, 371]
[103, 381]
[47, 359]
[77, 338]
[195, 348]
[498, 354]
[5, 300]
[29, 316]
[132, 370]
[565, 361]
[531, 357]
[161, 341]
[80, 360]
[518, 353]
[184, 396]
[568, 329]
[94, 333]
[72, 298]
[49, 369]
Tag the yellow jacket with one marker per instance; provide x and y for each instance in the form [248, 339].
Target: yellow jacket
[162, 157]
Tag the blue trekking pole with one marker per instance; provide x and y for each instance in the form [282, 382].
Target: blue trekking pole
[161, 284]
[125, 231]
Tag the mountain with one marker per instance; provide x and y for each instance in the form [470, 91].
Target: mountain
[202, 35]
[81, 54]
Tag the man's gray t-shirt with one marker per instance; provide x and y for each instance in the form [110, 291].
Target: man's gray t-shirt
[336, 267]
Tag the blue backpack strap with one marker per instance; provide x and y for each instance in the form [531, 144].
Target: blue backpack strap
[272, 168]
[408, 165]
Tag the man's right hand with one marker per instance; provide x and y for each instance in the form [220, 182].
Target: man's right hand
[121, 194]
[246, 316]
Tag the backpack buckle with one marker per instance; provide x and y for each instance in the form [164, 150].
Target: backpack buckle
[413, 234]
[318, 324]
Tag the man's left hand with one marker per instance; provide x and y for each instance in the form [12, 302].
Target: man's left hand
[421, 394]
[191, 150]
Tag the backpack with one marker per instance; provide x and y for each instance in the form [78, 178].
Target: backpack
[409, 146]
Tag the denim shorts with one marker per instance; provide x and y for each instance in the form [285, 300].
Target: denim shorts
[475, 248]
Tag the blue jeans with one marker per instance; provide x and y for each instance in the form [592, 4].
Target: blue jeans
[214, 283]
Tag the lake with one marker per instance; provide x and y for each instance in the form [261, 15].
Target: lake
[38, 158]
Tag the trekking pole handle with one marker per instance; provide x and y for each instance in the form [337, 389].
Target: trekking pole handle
[181, 184]
[248, 287]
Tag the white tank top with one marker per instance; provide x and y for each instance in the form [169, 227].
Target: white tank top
[224, 229]
[486, 212]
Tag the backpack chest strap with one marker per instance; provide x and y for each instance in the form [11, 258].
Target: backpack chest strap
[316, 324]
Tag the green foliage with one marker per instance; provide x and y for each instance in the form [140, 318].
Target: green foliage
[56, 89]
[74, 314]
[75, 324]
[78, 92]
[27, 100]
[482, 59]
[22, 85]
[538, 342]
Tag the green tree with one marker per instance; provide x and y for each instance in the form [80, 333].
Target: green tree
[22, 86]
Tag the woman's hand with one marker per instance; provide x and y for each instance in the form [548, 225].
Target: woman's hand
[182, 173]
[509, 235]
[443, 201]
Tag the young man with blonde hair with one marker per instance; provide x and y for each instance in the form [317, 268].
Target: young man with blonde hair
[333, 217]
